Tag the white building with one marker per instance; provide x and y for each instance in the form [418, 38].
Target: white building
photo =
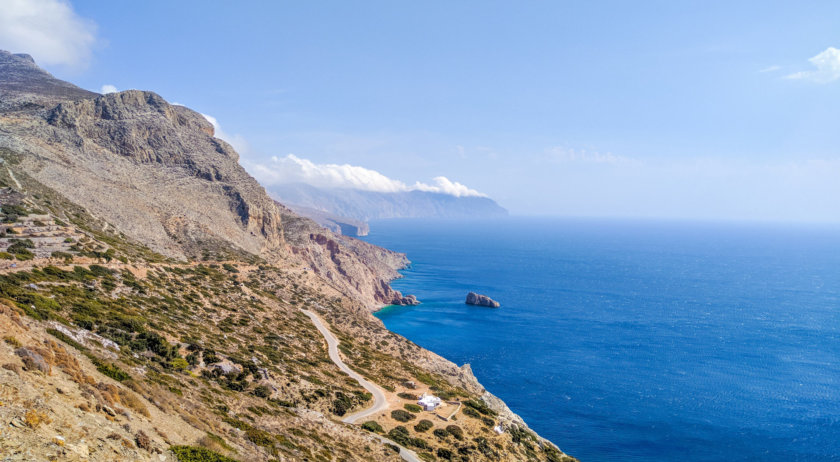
[428, 402]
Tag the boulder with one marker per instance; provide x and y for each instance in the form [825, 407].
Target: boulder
[33, 361]
[481, 300]
[408, 300]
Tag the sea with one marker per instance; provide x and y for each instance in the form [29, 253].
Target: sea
[638, 340]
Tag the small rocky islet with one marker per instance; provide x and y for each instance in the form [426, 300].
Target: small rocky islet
[481, 300]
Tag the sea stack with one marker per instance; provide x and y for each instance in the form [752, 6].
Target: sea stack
[481, 300]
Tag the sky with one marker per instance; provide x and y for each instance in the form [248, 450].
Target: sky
[658, 109]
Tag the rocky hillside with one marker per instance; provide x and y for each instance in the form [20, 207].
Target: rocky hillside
[151, 296]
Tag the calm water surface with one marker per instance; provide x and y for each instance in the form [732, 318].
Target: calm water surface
[644, 341]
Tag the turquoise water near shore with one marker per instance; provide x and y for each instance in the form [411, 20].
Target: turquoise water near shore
[644, 341]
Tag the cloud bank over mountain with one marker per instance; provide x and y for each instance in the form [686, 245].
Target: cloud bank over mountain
[49, 30]
[293, 169]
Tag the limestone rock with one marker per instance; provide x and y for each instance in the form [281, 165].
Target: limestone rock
[33, 361]
[408, 300]
[481, 300]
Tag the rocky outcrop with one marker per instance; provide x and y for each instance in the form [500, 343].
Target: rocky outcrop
[25, 86]
[155, 171]
[33, 361]
[481, 300]
[335, 223]
[408, 300]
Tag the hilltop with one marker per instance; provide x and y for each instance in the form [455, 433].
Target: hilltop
[155, 303]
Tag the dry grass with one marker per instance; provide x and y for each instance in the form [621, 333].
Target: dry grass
[33, 419]
[114, 395]
[68, 364]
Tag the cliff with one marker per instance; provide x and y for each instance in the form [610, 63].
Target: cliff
[151, 289]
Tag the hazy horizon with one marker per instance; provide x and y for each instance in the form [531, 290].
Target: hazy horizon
[704, 112]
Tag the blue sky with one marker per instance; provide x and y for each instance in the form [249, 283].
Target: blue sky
[704, 110]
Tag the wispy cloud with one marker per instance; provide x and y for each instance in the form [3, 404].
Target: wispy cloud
[49, 30]
[293, 169]
[827, 67]
[563, 154]
[107, 88]
[772, 68]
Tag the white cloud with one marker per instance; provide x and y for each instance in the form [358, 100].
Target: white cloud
[773, 68]
[293, 169]
[108, 89]
[564, 154]
[827, 66]
[237, 141]
[49, 30]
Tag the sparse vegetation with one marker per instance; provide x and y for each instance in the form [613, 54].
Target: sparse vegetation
[197, 454]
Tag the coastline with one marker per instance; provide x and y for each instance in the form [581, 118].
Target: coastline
[507, 417]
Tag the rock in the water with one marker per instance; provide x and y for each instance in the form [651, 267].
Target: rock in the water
[481, 300]
[408, 300]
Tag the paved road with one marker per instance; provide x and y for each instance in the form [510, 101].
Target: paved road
[379, 402]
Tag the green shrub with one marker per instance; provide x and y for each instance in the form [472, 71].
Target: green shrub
[262, 391]
[24, 255]
[407, 396]
[179, 364]
[6, 256]
[455, 431]
[111, 370]
[401, 416]
[412, 407]
[444, 453]
[196, 454]
[372, 426]
[423, 425]
[62, 255]
[341, 404]
[480, 407]
[471, 412]
[440, 433]
[400, 435]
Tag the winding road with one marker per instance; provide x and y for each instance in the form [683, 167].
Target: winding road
[380, 404]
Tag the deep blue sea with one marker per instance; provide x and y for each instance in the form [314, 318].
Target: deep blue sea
[643, 341]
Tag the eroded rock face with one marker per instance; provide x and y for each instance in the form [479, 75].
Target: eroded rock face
[155, 171]
[481, 300]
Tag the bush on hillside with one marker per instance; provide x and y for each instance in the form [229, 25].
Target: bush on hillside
[402, 416]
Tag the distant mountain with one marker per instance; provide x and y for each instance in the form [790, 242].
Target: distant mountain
[370, 205]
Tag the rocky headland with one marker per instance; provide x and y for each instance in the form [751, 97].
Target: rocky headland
[151, 297]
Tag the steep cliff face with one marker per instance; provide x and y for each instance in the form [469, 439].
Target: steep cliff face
[156, 172]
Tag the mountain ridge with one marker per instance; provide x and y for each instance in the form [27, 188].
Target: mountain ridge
[153, 282]
[370, 205]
